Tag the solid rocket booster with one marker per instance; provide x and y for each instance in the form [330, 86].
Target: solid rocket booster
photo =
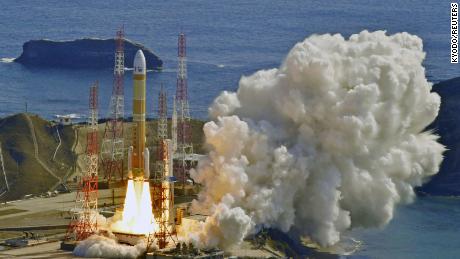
[138, 160]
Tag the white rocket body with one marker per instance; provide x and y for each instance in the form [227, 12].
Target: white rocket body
[138, 155]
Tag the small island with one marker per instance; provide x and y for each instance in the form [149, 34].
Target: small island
[84, 53]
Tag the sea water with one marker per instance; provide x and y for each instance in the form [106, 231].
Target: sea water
[428, 228]
[226, 40]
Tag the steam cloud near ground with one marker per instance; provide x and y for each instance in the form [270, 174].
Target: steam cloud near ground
[107, 247]
[106, 244]
[332, 139]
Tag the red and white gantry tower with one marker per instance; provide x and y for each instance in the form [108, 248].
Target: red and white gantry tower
[113, 143]
[163, 184]
[162, 114]
[184, 131]
[84, 217]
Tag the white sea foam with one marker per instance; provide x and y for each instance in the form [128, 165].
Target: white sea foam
[7, 60]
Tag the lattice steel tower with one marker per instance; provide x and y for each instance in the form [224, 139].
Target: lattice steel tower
[113, 143]
[184, 132]
[162, 134]
[84, 218]
[174, 126]
[162, 114]
[162, 182]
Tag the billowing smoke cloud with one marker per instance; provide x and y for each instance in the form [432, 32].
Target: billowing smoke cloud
[105, 244]
[332, 139]
[108, 247]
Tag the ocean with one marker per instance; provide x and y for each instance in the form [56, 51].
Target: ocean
[427, 228]
[226, 40]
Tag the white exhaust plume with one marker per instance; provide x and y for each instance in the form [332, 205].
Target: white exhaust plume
[107, 247]
[105, 244]
[333, 139]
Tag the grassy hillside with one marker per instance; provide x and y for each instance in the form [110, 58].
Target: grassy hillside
[26, 175]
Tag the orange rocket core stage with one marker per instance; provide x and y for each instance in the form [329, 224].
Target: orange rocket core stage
[138, 166]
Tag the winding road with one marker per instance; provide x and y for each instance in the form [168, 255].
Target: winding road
[42, 164]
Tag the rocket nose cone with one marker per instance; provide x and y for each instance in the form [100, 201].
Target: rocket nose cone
[139, 63]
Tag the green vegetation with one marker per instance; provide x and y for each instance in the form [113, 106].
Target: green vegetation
[25, 174]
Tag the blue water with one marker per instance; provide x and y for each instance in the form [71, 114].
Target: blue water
[428, 228]
[225, 41]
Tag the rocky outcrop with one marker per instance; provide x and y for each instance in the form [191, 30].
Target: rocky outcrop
[82, 53]
[447, 125]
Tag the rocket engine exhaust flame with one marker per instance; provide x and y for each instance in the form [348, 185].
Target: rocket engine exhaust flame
[137, 216]
[333, 139]
[136, 223]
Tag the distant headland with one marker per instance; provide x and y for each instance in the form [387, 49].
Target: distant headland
[82, 53]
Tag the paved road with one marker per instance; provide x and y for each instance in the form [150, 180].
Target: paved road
[47, 250]
[34, 138]
[62, 202]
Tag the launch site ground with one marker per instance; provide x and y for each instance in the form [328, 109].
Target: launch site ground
[37, 160]
[35, 151]
[48, 219]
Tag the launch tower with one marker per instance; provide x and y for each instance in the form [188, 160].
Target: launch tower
[163, 181]
[184, 131]
[113, 143]
[84, 218]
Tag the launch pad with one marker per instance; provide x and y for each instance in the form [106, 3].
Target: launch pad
[130, 239]
[144, 219]
[148, 214]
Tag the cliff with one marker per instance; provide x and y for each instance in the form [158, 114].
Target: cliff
[82, 53]
[447, 125]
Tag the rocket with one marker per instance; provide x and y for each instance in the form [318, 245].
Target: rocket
[138, 154]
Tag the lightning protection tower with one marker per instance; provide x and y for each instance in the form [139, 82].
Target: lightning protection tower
[184, 133]
[174, 126]
[163, 183]
[162, 114]
[113, 142]
[84, 217]
[161, 156]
